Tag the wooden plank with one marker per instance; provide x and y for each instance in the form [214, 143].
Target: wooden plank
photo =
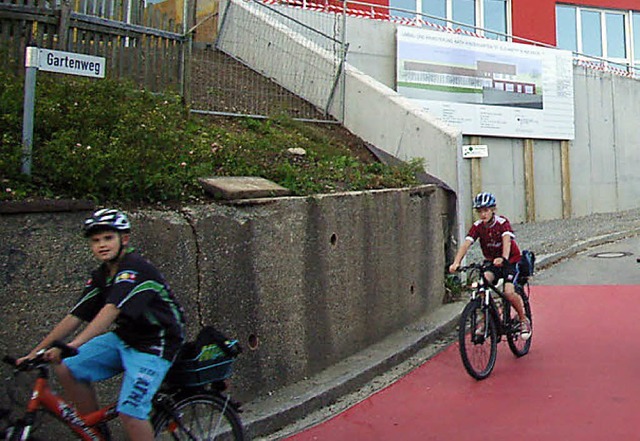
[4, 51]
[529, 182]
[476, 169]
[565, 168]
[112, 57]
[21, 12]
[83, 21]
[38, 34]
[123, 12]
[121, 57]
[148, 43]
[63, 25]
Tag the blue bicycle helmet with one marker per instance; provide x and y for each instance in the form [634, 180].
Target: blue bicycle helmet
[106, 219]
[484, 200]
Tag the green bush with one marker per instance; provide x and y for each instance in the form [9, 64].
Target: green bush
[107, 141]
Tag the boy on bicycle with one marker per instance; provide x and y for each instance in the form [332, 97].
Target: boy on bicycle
[128, 291]
[499, 248]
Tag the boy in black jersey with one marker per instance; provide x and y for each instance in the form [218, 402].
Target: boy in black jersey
[128, 291]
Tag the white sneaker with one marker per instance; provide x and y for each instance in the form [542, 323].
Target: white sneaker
[525, 330]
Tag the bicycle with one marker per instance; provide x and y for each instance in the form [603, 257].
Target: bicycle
[190, 404]
[485, 319]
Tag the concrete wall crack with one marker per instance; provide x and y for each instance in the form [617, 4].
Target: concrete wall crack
[189, 217]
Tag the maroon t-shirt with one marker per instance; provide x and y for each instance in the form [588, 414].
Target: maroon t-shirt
[490, 236]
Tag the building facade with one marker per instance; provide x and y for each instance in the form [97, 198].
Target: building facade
[599, 29]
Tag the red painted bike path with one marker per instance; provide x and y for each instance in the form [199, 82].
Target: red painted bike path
[580, 381]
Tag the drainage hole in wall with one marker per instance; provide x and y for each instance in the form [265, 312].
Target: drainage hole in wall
[253, 342]
[412, 288]
[334, 239]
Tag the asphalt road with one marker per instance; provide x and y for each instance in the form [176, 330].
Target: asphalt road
[579, 381]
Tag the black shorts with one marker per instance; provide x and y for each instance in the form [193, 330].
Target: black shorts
[507, 271]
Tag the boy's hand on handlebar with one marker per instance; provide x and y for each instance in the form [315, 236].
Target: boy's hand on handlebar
[454, 267]
[30, 356]
[53, 355]
[21, 360]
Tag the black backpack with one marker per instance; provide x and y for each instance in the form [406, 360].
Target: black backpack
[211, 344]
[526, 266]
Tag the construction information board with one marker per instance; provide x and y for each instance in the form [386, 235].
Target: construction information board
[487, 87]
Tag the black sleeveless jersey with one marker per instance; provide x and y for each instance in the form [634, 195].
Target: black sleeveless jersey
[150, 319]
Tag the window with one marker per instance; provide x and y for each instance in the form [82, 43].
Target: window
[610, 34]
[495, 18]
[477, 14]
[437, 8]
[566, 25]
[464, 11]
[636, 35]
[591, 33]
[405, 5]
[616, 47]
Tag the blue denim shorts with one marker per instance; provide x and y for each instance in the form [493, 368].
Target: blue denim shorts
[106, 356]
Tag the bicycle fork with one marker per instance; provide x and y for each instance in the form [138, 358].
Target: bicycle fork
[21, 427]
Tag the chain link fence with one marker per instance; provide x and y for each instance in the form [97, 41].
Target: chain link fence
[265, 62]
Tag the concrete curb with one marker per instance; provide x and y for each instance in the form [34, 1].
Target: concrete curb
[288, 405]
[547, 260]
[265, 417]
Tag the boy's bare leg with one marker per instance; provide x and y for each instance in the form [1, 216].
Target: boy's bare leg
[137, 430]
[82, 395]
[515, 300]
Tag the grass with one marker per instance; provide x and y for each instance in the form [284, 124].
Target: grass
[107, 141]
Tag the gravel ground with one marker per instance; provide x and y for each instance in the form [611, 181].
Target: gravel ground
[560, 237]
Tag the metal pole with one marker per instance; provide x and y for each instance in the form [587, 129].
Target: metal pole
[343, 70]
[31, 65]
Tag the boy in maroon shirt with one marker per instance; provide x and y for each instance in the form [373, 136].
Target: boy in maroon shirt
[499, 248]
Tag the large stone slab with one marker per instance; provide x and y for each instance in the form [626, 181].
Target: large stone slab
[242, 187]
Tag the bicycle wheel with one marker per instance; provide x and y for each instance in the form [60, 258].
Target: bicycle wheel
[478, 340]
[518, 346]
[198, 418]
[15, 433]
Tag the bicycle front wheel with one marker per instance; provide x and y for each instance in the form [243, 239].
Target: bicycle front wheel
[200, 417]
[478, 340]
[517, 344]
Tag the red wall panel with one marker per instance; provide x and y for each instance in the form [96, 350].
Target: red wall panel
[536, 20]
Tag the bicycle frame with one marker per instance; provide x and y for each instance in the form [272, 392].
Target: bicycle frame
[83, 425]
[483, 290]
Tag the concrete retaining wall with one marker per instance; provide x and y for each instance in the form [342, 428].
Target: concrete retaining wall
[307, 281]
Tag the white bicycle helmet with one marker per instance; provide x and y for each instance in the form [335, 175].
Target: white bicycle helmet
[484, 200]
[106, 219]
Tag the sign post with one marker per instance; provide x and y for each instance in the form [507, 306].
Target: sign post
[50, 61]
[31, 68]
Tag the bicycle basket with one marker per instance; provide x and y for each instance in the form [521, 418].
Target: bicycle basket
[193, 372]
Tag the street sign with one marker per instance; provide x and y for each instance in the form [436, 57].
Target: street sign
[51, 61]
[70, 63]
[475, 151]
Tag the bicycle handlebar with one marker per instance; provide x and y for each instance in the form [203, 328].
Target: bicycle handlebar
[473, 266]
[65, 352]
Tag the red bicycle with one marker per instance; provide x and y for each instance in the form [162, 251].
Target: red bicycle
[190, 405]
